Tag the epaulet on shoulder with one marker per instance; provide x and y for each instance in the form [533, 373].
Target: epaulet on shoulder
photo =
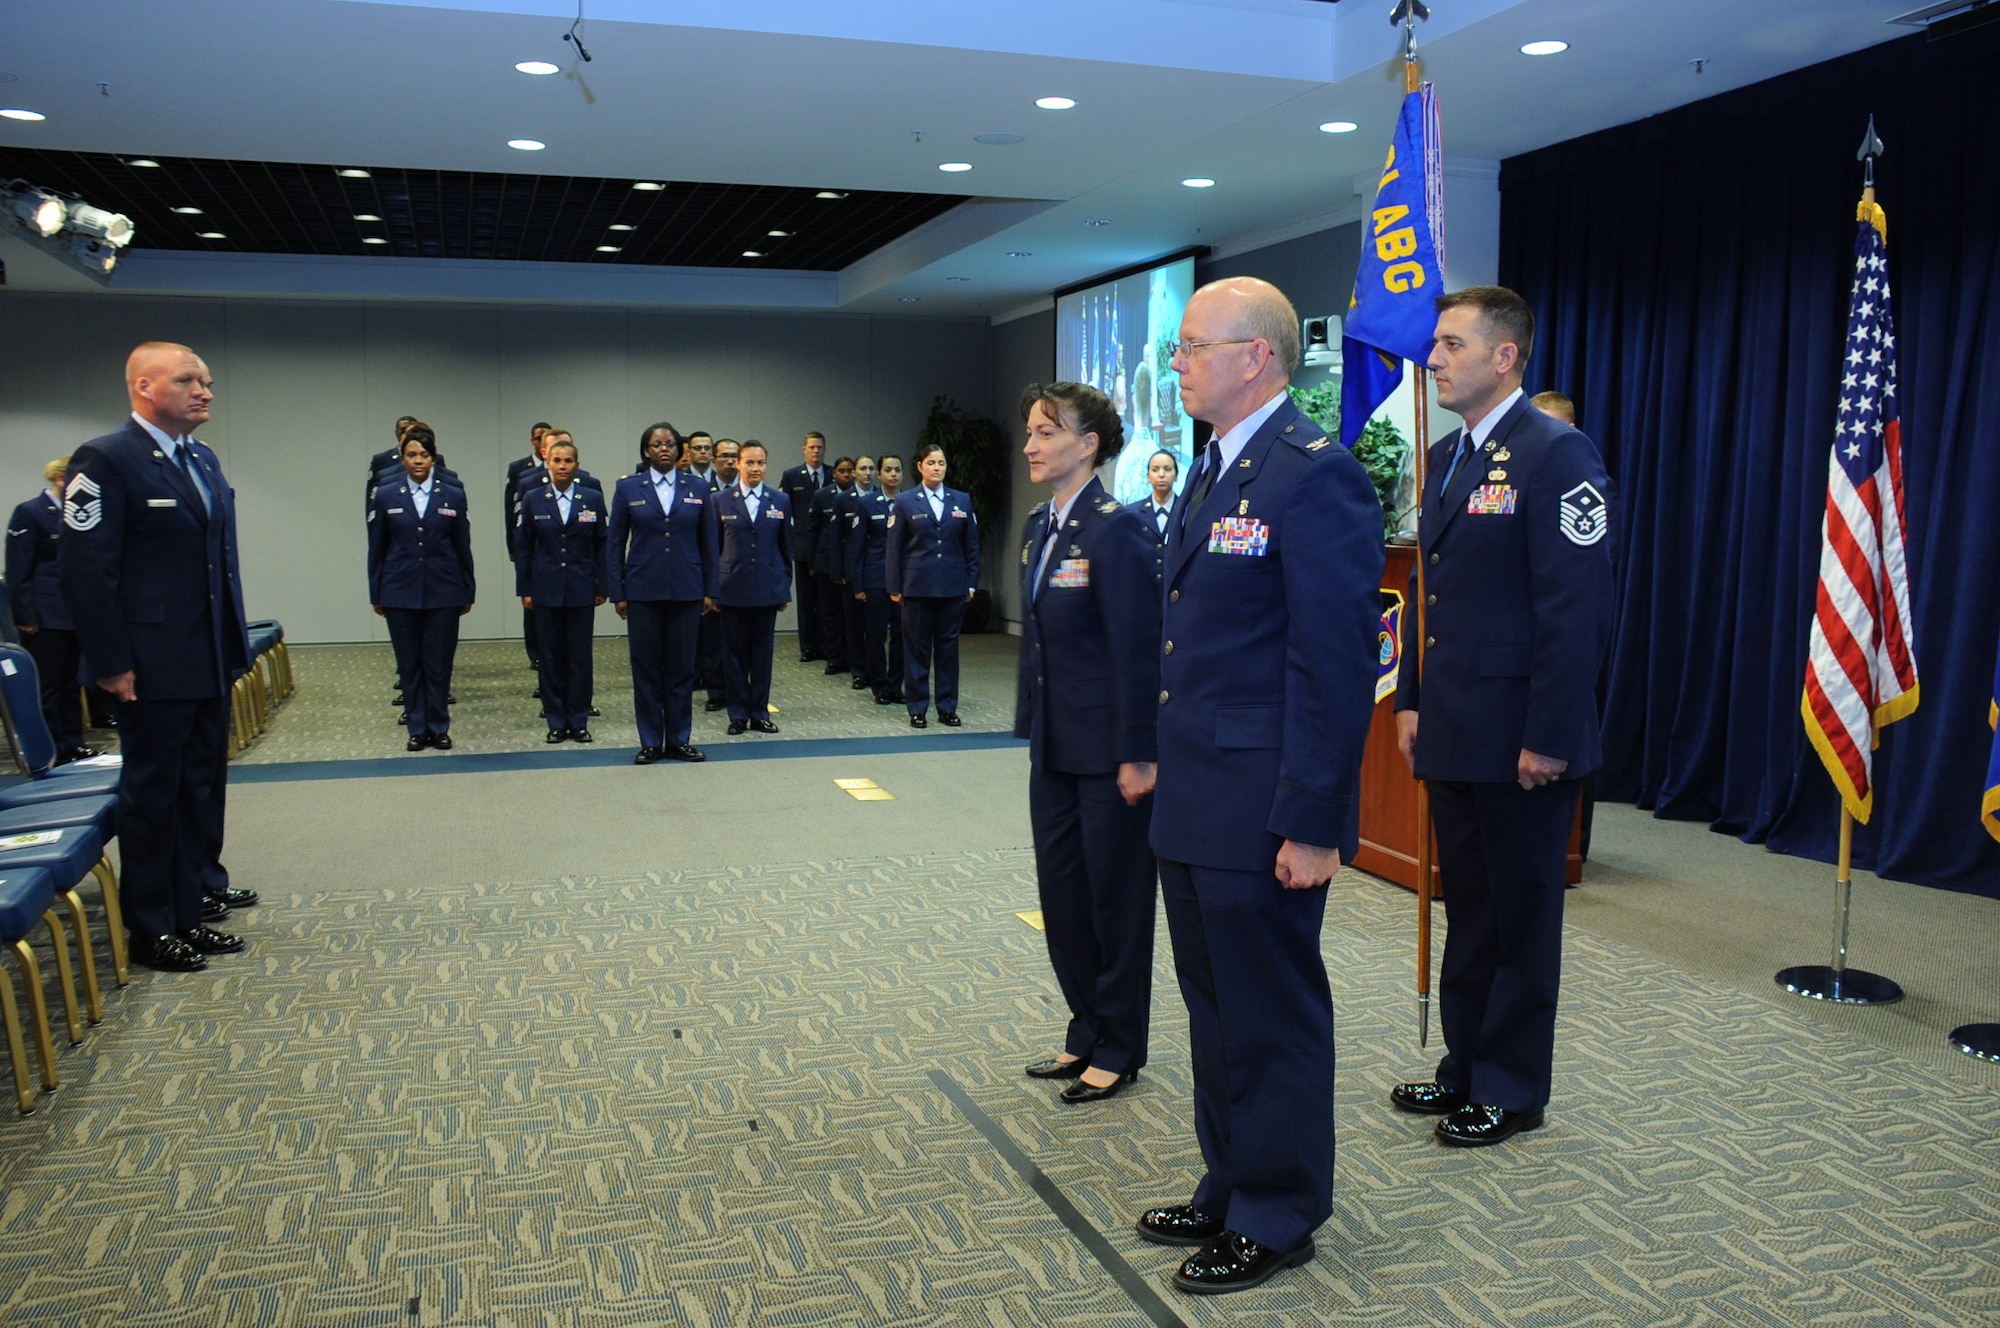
[1308, 439]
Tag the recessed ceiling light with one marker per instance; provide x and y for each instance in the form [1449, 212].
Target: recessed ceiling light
[908, 299]
[1339, 127]
[998, 140]
[366, 216]
[618, 226]
[373, 239]
[1098, 221]
[16, 113]
[1020, 253]
[353, 173]
[608, 249]
[778, 235]
[1055, 103]
[188, 211]
[648, 186]
[954, 167]
[1545, 48]
[753, 253]
[829, 193]
[213, 235]
[526, 144]
[1198, 182]
[143, 161]
[537, 67]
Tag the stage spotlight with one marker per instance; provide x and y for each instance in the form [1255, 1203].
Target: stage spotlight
[94, 255]
[114, 228]
[36, 208]
[87, 237]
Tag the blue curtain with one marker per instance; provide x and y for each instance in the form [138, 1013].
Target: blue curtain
[1690, 273]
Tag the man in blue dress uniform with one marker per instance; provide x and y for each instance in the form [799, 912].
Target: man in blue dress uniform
[799, 484]
[1517, 613]
[1267, 682]
[148, 568]
[560, 575]
[515, 470]
[862, 550]
[755, 583]
[822, 527]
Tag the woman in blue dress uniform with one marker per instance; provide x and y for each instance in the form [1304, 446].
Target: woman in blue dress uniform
[931, 567]
[420, 580]
[1086, 703]
[660, 562]
[33, 536]
[559, 536]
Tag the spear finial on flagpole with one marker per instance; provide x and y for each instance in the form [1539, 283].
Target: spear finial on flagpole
[1406, 15]
[1871, 148]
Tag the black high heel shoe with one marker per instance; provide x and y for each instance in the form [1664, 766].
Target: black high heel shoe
[1082, 1092]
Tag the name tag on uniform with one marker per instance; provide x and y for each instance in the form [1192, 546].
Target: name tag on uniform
[958, 512]
[692, 500]
[395, 511]
[1070, 574]
[1492, 500]
[586, 515]
[775, 515]
[1244, 535]
[637, 502]
[163, 502]
[447, 511]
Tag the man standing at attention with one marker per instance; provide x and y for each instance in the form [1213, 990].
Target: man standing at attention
[1270, 625]
[1517, 586]
[799, 484]
[148, 568]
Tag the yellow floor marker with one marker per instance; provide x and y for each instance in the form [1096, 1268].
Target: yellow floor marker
[864, 790]
[1033, 917]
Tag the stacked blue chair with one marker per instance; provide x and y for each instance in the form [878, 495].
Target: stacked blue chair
[78, 802]
[267, 681]
[26, 894]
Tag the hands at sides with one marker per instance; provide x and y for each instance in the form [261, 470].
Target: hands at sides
[527, 601]
[621, 606]
[376, 607]
[595, 602]
[1136, 780]
[969, 594]
[897, 598]
[1306, 866]
[708, 604]
[464, 609]
[1537, 770]
[29, 629]
[119, 688]
[1406, 737]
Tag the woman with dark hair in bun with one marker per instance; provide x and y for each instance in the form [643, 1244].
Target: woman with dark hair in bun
[1086, 700]
[420, 580]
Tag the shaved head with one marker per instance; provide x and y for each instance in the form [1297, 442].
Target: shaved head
[169, 385]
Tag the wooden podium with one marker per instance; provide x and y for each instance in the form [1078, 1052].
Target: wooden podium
[1389, 794]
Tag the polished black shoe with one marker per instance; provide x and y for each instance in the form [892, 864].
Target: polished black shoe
[210, 941]
[595, 713]
[896, 697]
[1178, 1224]
[581, 735]
[556, 736]
[234, 897]
[738, 726]
[1476, 1125]
[883, 698]
[1234, 1262]
[1082, 1092]
[404, 719]
[68, 754]
[808, 656]
[399, 703]
[441, 741]
[417, 742]
[763, 726]
[1429, 1098]
[949, 718]
[1053, 1068]
[860, 684]
[647, 755]
[919, 722]
[449, 699]
[169, 954]
[681, 751]
[831, 669]
[535, 695]
[213, 909]
[713, 705]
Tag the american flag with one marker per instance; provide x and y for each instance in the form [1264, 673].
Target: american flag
[1860, 675]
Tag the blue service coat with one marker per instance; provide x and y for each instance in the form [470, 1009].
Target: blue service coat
[561, 564]
[1267, 678]
[1087, 695]
[150, 576]
[867, 540]
[34, 537]
[655, 555]
[535, 477]
[799, 485]
[1517, 577]
[756, 561]
[419, 562]
[929, 558]
[830, 509]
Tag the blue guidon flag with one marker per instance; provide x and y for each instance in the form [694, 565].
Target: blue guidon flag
[1392, 314]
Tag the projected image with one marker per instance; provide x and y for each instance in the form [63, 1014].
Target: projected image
[1114, 336]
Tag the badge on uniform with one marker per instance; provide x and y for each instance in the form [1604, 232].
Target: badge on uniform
[586, 515]
[447, 511]
[1070, 574]
[892, 521]
[1582, 515]
[1244, 535]
[1492, 500]
[83, 504]
[693, 498]
[958, 512]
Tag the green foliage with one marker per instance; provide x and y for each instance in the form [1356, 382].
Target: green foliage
[1380, 449]
[975, 453]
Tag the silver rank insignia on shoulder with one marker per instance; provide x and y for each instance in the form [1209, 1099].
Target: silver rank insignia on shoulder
[1582, 515]
[1316, 444]
[83, 503]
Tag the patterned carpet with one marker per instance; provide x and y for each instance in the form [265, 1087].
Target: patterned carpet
[708, 1099]
[341, 709]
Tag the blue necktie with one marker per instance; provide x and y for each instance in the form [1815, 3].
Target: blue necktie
[1204, 480]
[186, 463]
[1463, 450]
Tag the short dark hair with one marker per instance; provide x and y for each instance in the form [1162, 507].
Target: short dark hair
[419, 434]
[838, 462]
[1163, 452]
[1503, 315]
[720, 443]
[693, 434]
[652, 429]
[814, 433]
[925, 449]
[402, 420]
[539, 426]
[1082, 408]
[749, 443]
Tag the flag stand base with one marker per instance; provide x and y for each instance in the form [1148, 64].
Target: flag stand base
[1852, 987]
[1981, 1041]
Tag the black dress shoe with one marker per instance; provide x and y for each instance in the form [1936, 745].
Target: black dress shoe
[399, 703]
[234, 897]
[441, 741]
[581, 735]
[404, 719]
[832, 669]
[919, 722]
[883, 698]
[213, 909]
[556, 736]
[595, 713]
[681, 751]
[1082, 1092]
[1178, 1224]
[647, 755]
[1234, 1262]
[860, 684]
[449, 699]
[949, 718]
[1053, 1068]
[417, 742]
[535, 695]
[210, 941]
[1476, 1125]
[1428, 1098]
[713, 705]
[69, 754]
[169, 954]
[763, 726]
